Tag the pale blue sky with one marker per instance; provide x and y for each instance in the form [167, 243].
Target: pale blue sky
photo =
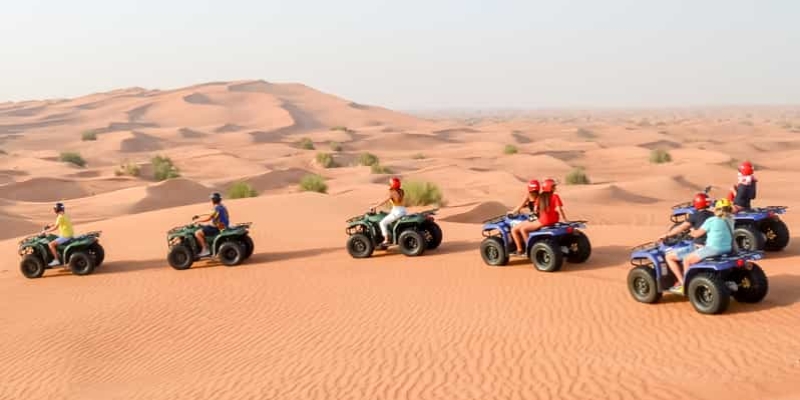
[413, 54]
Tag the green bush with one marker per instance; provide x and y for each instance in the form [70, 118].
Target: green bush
[73, 158]
[660, 156]
[418, 156]
[577, 177]
[420, 193]
[510, 149]
[88, 135]
[380, 169]
[336, 146]
[163, 168]
[313, 183]
[341, 128]
[326, 160]
[240, 190]
[129, 169]
[306, 144]
[368, 159]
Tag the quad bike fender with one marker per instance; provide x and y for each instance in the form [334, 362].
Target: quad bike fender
[497, 229]
[75, 245]
[34, 249]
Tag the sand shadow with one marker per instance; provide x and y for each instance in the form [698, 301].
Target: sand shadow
[122, 266]
[271, 257]
[791, 250]
[784, 291]
[601, 257]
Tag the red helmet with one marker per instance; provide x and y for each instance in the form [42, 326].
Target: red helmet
[533, 186]
[549, 185]
[700, 201]
[746, 168]
[395, 182]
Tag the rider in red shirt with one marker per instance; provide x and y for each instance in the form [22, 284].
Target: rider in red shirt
[549, 204]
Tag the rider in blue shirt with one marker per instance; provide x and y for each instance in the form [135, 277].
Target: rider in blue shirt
[220, 221]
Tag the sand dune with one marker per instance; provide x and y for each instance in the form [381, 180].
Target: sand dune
[303, 320]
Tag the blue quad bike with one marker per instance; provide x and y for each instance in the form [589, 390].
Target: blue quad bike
[708, 284]
[547, 247]
[755, 229]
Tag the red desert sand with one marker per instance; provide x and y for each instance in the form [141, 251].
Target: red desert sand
[303, 320]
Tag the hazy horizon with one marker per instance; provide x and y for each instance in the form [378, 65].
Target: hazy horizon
[416, 55]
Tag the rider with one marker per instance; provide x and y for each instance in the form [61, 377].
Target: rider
[64, 226]
[745, 189]
[528, 201]
[220, 221]
[548, 206]
[695, 221]
[396, 196]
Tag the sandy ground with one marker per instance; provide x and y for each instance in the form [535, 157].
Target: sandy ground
[303, 320]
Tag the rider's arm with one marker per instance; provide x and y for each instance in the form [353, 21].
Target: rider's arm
[678, 229]
[521, 206]
[696, 233]
[384, 201]
[563, 215]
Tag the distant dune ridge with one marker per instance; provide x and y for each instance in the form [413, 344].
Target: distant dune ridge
[303, 320]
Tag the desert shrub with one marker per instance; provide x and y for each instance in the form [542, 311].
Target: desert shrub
[510, 149]
[73, 158]
[577, 177]
[421, 193]
[326, 160]
[380, 169]
[313, 183]
[88, 135]
[306, 144]
[341, 128]
[585, 133]
[660, 156]
[163, 168]
[336, 146]
[368, 159]
[240, 190]
[418, 156]
[129, 169]
[3, 152]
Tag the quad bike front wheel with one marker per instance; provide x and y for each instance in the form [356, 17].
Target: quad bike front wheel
[81, 263]
[493, 252]
[180, 257]
[31, 266]
[748, 238]
[579, 249]
[412, 243]
[642, 285]
[546, 256]
[708, 294]
[359, 245]
[231, 253]
[753, 284]
[776, 233]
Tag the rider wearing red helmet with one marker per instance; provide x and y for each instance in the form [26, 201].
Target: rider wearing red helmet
[396, 196]
[529, 201]
[695, 221]
[745, 189]
[547, 207]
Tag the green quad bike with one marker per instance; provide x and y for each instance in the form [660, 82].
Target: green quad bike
[413, 233]
[231, 246]
[81, 253]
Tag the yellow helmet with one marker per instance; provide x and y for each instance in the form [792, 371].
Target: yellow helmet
[722, 203]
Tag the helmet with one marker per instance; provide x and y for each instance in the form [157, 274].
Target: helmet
[723, 203]
[746, 168]
[215, 197]
[394, 182]
[700, 201]
[549, 185]
[533, 186]
[58, 207]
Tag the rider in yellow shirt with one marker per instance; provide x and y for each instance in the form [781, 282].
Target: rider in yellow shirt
[64, 226]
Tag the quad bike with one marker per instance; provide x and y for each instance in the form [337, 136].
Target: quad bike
[547, 246]
[81, 253]
[755, 229]
[709, 284]
[231, 246]
[413, 233]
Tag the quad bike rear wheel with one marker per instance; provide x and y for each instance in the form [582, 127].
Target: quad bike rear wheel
[753, 284]
[359, 245]
[412, 243]
[642, 285]
[493, 252]
[180, 257]
[748, 238]
[81, 263]
[231, 253]
[546, 256]
[248, 246]
[432, 233]
[31, 266]
[708, 294]
[776, 233]
[579, 249]
[98, 253]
